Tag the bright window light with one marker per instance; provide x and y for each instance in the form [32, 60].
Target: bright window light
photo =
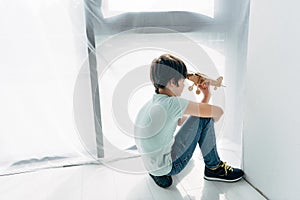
[112, 8]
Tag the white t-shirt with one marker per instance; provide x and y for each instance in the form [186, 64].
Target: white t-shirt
[154, 131]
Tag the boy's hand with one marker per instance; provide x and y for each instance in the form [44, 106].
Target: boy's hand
[181, 120]
[205, 89]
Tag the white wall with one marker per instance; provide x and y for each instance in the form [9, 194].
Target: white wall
[272, 123]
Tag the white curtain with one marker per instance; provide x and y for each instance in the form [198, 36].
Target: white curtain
[49, 81]
[43, 59]
[128, 40]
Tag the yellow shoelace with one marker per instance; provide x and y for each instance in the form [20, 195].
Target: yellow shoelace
[226, 167]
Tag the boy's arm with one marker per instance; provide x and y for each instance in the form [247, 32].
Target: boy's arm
[204, 109]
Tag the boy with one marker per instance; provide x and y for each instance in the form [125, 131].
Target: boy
[163, 153]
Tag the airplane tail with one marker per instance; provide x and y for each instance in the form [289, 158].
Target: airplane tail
[219, 80]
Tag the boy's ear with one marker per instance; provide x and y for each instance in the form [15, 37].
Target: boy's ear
[172, 82]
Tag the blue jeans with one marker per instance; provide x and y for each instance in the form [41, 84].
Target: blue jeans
[194, 130]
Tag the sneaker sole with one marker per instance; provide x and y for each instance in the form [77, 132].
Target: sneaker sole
[222, 180]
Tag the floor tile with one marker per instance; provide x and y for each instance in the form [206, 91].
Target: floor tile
[98, 183]
[94, 182]
[132, 186]
[44, 184]
[208, 191]
[238, 190]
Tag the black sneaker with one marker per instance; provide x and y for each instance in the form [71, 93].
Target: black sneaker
[162, 181]
[223, 173]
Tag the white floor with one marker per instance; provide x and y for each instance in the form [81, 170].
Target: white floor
[95, 182]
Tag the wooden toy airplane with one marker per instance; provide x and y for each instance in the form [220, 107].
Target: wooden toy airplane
[199, 78]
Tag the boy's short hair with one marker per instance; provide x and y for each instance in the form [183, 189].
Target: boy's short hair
[165, 68]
